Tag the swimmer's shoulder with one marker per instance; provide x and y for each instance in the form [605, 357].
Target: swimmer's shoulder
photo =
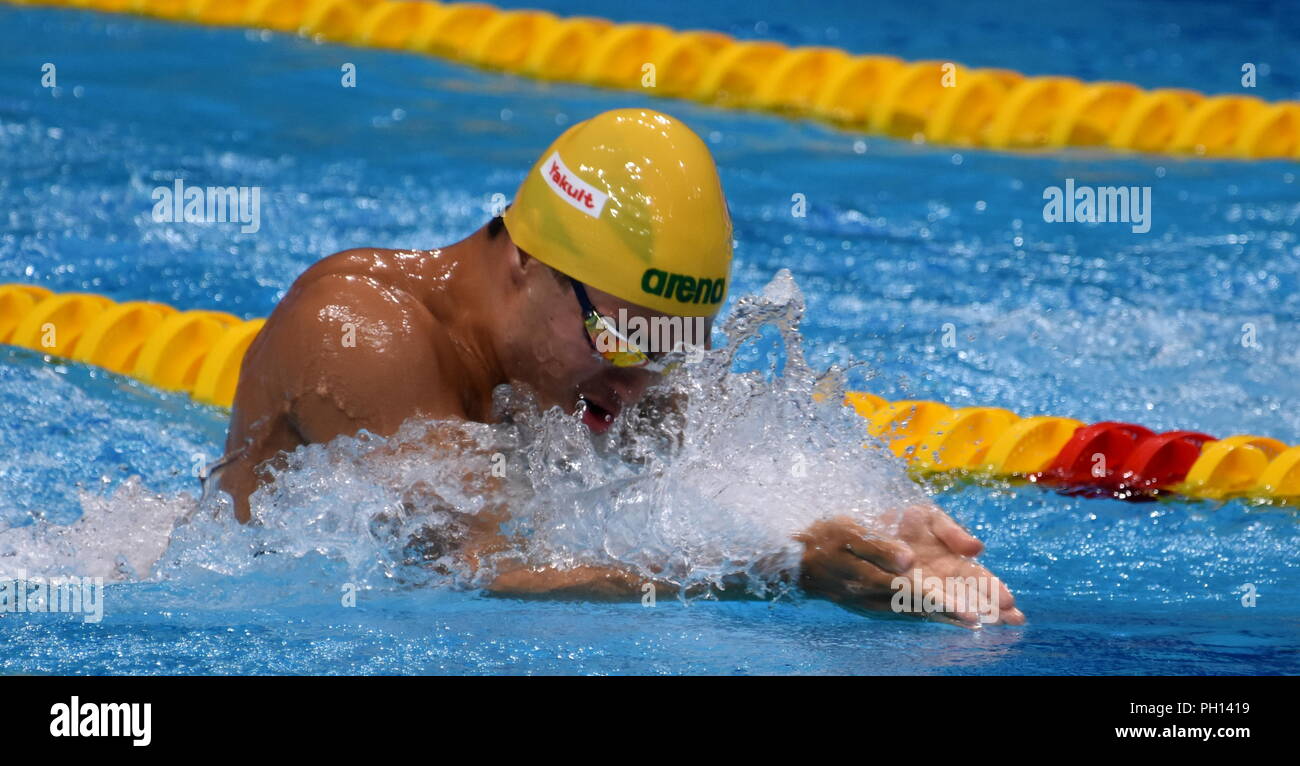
[367, 263]
[417, 277]
[346, 348]
[368, 296]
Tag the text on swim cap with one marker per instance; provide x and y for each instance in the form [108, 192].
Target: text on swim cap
[680, 287]
[572, 189]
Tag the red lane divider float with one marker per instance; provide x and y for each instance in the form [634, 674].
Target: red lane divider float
[1094, 455]
[1125, 460]
[1162, 461]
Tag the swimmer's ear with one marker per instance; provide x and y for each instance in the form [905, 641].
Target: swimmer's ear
[522, 264]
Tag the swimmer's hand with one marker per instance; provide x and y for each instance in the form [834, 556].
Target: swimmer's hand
[853, 566]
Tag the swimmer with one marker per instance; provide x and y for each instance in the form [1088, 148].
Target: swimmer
[622, 213]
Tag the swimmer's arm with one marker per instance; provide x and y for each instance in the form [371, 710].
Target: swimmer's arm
[485, 547]
[843, 562]
[602, 583]
[611, 583]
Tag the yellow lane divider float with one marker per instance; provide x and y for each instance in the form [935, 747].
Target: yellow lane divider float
[199, 353]
[936, 101]
[196, 352]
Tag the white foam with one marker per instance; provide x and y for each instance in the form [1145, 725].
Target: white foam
[710, 492]
[118, 537]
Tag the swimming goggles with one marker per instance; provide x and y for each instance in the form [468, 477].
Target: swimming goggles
[608, 343]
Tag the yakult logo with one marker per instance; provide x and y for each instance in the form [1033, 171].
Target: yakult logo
[572, 189]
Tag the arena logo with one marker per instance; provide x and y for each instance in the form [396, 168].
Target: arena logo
[934, 595]
[103, 719]
[683, 288]
[70, 595]
[1102, 204]
[209, 204]
[657, 335]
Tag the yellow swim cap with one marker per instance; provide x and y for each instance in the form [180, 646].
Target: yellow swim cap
[630, 203]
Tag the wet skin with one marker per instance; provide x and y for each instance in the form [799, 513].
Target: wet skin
[368, 338]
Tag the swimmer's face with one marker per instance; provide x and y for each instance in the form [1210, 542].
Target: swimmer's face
[562, 367]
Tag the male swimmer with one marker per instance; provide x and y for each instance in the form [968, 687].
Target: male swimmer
[622, 213]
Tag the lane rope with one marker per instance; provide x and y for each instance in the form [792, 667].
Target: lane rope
[939, 102]
[200, 352]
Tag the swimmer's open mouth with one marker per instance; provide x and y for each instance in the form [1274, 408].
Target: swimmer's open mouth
[597, 417]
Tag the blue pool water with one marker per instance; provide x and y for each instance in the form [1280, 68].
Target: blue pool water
[899, 240]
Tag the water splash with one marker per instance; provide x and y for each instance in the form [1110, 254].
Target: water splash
[118, 537]
[703, 483]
